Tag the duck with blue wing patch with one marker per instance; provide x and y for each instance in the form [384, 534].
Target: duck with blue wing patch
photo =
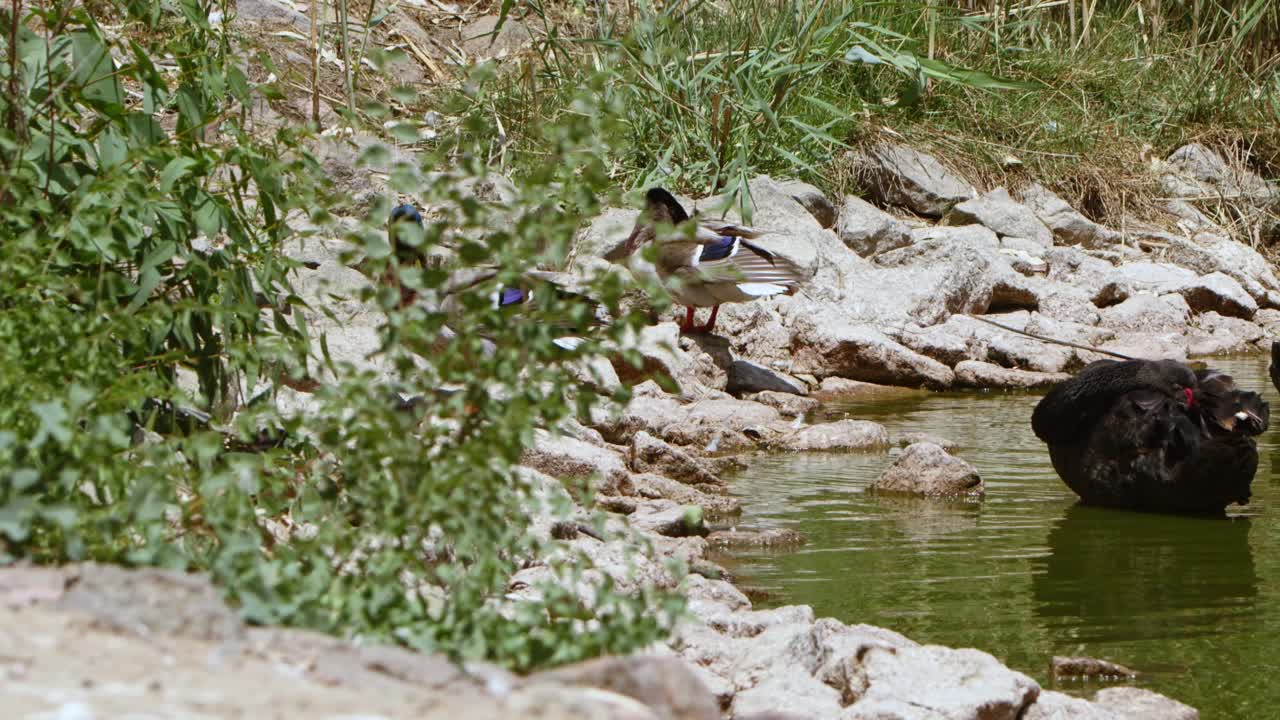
[518, 297]
[707, 263]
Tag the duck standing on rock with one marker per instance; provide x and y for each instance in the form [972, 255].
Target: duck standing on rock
[707, 263]
[1153, 435]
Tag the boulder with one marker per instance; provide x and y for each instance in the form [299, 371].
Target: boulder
[1145, 314]
[596, 374]
[945, 343]
[1089, 668]
[750, 623]
[573, 459]
[1218, 293]
[812, 200]
[786, 403]
[839, 435]
[977, 374]
[784, 647]
[1169, 345]
[838, 388]
[757, 331]
[1060, 706]
[1214, 334]
[555, 700]
[911, 438]
[144, 602]
[1123, 282]
[650, 485]
[605, 232]
[748, 377]
[899, 175]
[925, 292]
[1058, 301]
[1068, 226]
[650, 409]
[669, 518]
[482, 39]
[1077, 268]
[934, 279]
[662, 358]
[769, 537]
[1079, 333]
[1196, 171]
[867, 230]
[989, 343]
[271, 13]
[936, 682]
[805, 696]
[1024, 262]
[666, 685]
[651, 455]
[973, 235]
[730, 413]
[1139, 704]
[1210, 252]
[1001, 213]
[927, 470]
[825, 344]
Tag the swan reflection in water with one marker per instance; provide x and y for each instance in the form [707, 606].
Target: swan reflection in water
[1113, 576]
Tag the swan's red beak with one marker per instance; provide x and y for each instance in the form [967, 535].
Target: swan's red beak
[1191, 397]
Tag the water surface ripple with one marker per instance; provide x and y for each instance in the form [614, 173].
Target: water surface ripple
[1027, 573]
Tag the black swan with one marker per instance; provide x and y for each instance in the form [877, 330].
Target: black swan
[1275, 363]
[1153, 435]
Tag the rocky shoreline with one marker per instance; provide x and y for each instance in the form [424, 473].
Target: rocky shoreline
[892, 308]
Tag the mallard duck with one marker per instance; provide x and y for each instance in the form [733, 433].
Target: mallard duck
[713, 264]
[520, 295]
[1147, 435]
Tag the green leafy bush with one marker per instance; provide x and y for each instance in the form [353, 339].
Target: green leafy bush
[143, 245]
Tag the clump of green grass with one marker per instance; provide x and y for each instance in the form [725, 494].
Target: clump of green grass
[712, 94]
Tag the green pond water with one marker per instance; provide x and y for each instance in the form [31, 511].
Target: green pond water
[1191, 603]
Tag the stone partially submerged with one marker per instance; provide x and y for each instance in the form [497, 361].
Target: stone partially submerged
[925, 469]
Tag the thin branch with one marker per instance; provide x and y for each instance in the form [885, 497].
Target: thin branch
[315, 62]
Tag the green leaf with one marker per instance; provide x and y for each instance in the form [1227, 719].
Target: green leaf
[53, 418]
[191, 112]
[208, 215]
[174, 171]
[147, 281]
[112, 150]
[973, 78]
[95, 71]
[145, 130]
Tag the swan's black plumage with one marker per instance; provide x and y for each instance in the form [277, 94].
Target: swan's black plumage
[1073, 406]
[1153, 435]
[1275, 363]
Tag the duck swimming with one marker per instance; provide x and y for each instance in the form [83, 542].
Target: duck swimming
[711, 264]
[1153, 435]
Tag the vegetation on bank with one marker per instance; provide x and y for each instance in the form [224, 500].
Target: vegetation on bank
[142, 226]
[142, 273]
[1074, 94]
